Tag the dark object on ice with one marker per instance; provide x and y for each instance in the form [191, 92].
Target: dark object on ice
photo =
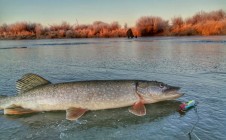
[129, 33]
[15, 48]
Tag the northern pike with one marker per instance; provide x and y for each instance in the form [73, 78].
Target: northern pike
[36, 94]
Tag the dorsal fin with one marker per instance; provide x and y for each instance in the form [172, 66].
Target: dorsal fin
[30, 81]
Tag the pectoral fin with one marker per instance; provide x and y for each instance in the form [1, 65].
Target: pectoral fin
[74, 113]
[17, 110]
[138, 109]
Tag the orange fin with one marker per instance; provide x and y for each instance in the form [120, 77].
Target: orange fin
[138, 109]
[74, 113]
[17, 111]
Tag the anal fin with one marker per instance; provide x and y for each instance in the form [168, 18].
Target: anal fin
[17, 110]
[74, 113]
[138, 109]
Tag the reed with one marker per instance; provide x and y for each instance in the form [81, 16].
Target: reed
[202, 23]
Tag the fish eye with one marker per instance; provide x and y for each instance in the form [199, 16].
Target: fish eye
[161, 85]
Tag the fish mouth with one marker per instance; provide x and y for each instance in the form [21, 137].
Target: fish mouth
[173, 91]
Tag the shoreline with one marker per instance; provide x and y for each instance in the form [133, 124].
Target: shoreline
[179, 36]
[201, 24]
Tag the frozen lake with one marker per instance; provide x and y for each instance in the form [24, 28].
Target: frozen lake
[196, 64]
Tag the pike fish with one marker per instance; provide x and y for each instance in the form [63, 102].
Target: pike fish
[36, 94]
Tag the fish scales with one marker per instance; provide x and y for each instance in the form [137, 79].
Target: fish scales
[36, 94]
[91, 95]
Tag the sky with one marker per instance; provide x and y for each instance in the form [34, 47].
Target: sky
[48, 12]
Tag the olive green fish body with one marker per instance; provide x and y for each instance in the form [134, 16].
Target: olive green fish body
[91, 95]
[37, 94]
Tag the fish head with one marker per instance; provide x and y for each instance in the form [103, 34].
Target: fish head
[153, 91]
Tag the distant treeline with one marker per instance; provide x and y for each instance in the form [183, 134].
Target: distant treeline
[202, 23]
